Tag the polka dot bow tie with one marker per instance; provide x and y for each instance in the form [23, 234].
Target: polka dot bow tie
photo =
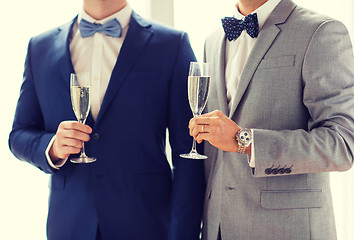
[234, 27]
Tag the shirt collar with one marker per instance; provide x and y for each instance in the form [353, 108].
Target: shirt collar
[263, 11]
[123, 16]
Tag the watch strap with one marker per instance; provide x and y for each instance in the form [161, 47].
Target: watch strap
[241, 148]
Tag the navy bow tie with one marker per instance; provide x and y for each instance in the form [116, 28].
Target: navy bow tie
[234, 27]
[111, 28]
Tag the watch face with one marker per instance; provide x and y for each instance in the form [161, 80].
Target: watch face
[245, 137]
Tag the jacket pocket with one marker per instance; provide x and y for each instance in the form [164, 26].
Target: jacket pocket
[291, 199]
[277, 62]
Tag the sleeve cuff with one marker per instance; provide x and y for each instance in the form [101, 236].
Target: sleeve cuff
[59, 163]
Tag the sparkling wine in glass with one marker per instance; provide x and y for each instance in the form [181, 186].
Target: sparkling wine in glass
[198, 91]
[80, 99]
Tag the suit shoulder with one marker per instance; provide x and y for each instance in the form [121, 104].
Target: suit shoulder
[157, 27]
[304, 23]
[214, 37]
[215, 34]
[49, 34]
[309, 18]
[165, 30]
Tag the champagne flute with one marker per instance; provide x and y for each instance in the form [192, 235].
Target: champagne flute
[80, 100]
[198, 91]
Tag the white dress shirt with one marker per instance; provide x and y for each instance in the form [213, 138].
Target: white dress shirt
[237, 53]
[97, 55]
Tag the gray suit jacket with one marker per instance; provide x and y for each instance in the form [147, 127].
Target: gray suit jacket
[296, 92]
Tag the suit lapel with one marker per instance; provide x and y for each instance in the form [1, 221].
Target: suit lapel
[267, 35]
[63, 51]
[137, 37]
[220, 74]
[64, 57]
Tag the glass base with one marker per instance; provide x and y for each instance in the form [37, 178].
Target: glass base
[193, 155]
[83, 160]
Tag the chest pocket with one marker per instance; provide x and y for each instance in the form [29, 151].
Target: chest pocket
[277, 62]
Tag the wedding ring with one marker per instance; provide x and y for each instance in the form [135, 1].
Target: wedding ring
[202, 128]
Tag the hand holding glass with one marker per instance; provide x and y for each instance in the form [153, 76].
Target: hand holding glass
[80, 99]
[198, 91]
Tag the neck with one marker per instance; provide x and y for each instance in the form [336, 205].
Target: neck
[245, 7]
[100, 9]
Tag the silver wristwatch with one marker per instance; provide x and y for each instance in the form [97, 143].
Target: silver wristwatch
[244, 139]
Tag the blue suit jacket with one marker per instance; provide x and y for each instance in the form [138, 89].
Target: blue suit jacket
[130, 191]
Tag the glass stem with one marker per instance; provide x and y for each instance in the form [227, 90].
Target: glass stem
[83, 154]
[194, 146]
[83, 150]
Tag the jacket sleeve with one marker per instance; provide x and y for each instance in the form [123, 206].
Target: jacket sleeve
[328, 94]
[188, 175]
[28, 140]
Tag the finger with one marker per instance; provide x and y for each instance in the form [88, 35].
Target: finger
[204, 128]
[71, 142]
[198, 139]
[193, 131]
[67, 150]
[202, 136]
[206, 120]
[74, 125]
[201, 128]
[213, 114]
[75, 134]
[62, 151]
[192, 123]
[196, 130]
[64, 134]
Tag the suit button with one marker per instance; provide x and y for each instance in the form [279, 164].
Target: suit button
[287, 170]
[229, 188]
[95, 136]
[268, 171]
[275, 171]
